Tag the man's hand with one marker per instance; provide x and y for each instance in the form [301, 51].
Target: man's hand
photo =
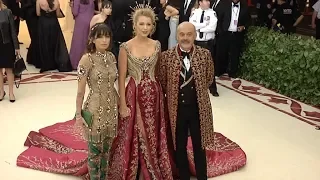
[313, 25]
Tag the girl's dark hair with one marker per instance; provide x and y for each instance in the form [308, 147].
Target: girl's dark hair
[106, 4]
[99, 30]
[84, 1]
[51, 4]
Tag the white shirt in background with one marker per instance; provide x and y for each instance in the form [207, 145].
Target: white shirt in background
[316, 7]
[208, 26]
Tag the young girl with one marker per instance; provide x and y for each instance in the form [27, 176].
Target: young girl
[106, 9]
[98, 115]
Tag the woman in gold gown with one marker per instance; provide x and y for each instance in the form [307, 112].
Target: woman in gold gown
[98, 70]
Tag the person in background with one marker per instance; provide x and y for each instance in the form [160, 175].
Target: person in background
[215, 4]
[69, 18]
[9, 48]
[205, 20]
[121, 22]
[264, 12]
[106, 10]
[83, 11]
[165, 12]
[186, 7]
[14, 6]
[315, 22]
[233, 19]
[98, 70]
[51, 51]
[28, 13]
[97, 6]
[286, 18]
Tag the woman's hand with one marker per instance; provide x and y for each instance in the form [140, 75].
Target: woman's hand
[80, 121]
[124, 111]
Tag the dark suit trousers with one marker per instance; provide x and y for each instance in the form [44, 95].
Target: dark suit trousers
[32, 24]
[229, 46]
[188, 119]
[210, 46]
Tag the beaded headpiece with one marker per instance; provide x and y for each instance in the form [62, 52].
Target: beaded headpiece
[144, 5]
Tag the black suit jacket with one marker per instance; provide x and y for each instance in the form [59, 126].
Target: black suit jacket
[182, 16]
[225, 13]
[218, 9]
[28, 9]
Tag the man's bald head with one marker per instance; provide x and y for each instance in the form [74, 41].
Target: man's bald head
[186, 26]
[186, 34]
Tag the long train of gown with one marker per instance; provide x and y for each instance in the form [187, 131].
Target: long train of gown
[60, 149]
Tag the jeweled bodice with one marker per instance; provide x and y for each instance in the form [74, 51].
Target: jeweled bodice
[141, 67]
[101, 72]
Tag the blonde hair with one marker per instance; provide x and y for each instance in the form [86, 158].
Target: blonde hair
[146, 12]
[2, 6]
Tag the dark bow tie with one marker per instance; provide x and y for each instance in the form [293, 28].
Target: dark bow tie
[235, 5]
[185, 54]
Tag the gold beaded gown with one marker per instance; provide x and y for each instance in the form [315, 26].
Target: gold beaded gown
[140, 148]
[101, 72]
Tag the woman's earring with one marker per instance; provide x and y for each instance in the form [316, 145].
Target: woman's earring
[134, 31]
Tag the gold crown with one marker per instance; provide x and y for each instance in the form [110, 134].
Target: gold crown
[140, 6]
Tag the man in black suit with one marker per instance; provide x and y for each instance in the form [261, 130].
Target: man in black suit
[216, 5]
[233, 20]
[185, 10]
[28, 13]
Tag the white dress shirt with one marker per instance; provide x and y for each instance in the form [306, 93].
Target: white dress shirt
[234, 18]
[207, 27]
[316, 7]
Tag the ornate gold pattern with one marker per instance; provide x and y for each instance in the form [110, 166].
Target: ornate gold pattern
[147, 138]
[202, 68]
[117, 169]
[101, 72]
[137, 67]
[56, 166]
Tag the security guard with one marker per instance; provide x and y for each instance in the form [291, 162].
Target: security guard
[286, 17]
[205, 20]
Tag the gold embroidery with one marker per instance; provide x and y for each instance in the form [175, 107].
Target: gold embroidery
[56, 166]
[170, 67]
[145, 93]
[138, 66]
[101, 72]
